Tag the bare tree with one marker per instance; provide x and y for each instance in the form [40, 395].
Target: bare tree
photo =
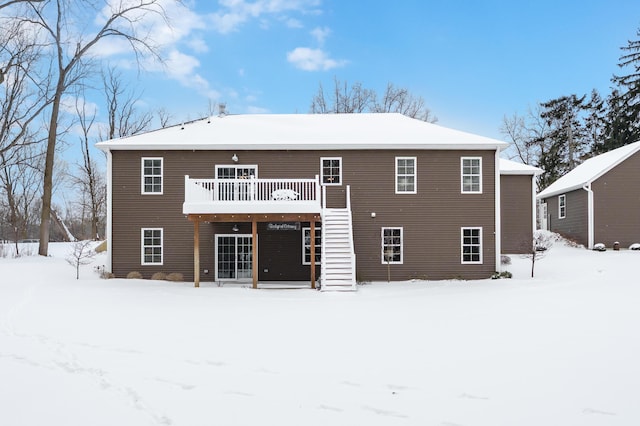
[89, 180]
[72, 56]
[164, 117]
[527, 135]
[82, 254]
[400, 100]
[24, 94]
[20, 185]
[124, 119]
[345, 99]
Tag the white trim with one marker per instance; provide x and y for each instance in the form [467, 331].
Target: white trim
[590, 216]
[462, 261]
[236, 167]
[109, 225]
[142, 176]
[215, 260]
[382, 259]
[415, 174]
[560, 207]
[318, 249]
[462, 175]
[498, 219]
[322, 159]
[142, 246]
[534, 206]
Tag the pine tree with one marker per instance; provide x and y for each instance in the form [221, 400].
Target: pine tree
[626, 120]
[564, 145]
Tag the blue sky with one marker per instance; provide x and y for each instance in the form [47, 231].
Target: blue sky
[472, 61]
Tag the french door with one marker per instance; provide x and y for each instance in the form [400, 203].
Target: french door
[236, 190]
[234, 257]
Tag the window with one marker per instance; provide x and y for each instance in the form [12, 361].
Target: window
[562, 206]
[152, 246]
[471, 245]
[152, 176]
[306, 245]
[471, 175]
[392, 245]
[331, 170]
[405, 175]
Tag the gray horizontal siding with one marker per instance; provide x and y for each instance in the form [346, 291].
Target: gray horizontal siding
[431, 219]
[516, 213]
[617, 204]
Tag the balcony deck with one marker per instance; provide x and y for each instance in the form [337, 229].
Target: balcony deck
[251, 196]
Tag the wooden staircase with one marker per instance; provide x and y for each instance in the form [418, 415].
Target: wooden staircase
[338, 270]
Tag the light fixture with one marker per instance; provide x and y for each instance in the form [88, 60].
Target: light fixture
[235, 227]
[234, 158]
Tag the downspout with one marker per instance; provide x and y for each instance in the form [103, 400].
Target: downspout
[534, 205]
[498, 225]
[590, 218]
[109, 225]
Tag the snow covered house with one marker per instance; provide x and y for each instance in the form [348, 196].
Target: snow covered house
[517, 206]
[305, 197]
[598, 201]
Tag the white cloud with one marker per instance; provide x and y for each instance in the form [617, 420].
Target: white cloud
[292, 23]
[308, 59]
[234, 13]
[320, 34]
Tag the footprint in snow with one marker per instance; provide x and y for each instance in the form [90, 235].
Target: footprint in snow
[593, 411]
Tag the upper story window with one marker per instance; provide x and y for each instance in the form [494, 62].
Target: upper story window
[152, 176]
[471, 245]
[391, 245]
[151, 246]
[406, 173]
[331, 170]
[562, 206]
[471, 175]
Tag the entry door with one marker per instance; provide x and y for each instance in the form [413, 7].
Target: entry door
[236, 191]
[234, 257]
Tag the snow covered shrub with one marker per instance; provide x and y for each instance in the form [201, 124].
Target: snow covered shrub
[134, 275]
[599, 247]
[499, 275]
[175, 276]
[159, 276]
[505, 260]
[103, 273]
[634, 246]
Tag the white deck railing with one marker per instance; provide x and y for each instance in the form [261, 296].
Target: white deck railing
[251, 195]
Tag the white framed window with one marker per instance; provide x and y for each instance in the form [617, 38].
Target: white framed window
[152, 175]
[391, 245]
[151, 242]
[306, 245]
[562, 206]
[406, 175]
[331, 170]
[471, 245]
[471, 175]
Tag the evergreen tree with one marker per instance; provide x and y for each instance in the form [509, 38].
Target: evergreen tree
[564, 145]
[626, 121]
[595, 123]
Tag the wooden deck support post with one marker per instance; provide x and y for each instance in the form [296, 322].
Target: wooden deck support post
[196, 253]
[254, 252]
[312, 244]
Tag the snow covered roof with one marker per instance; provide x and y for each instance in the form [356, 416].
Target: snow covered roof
[304, 132]
[509, 167]
[590, 170]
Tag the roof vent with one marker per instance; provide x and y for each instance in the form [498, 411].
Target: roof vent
[222, 110]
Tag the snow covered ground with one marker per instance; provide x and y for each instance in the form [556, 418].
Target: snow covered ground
[560, 349]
